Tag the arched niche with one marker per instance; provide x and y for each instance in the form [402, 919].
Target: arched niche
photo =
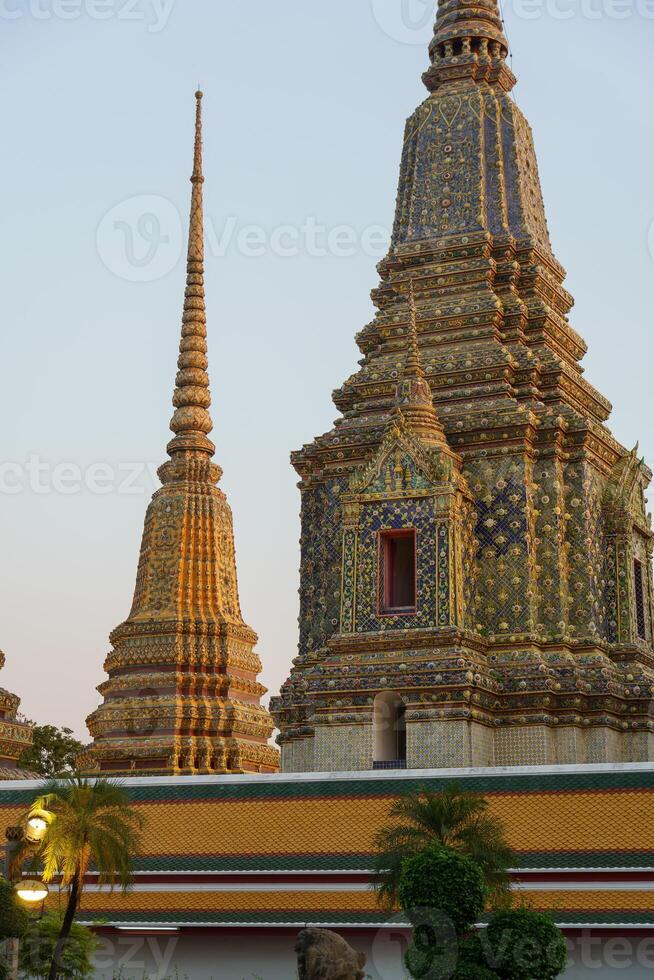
[389, 728]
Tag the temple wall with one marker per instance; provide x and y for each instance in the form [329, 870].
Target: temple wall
[524, 746]
[297, 755]
[547, 499]
[320, 565]
[586, 550]
[570, 745]
[237, 954]
[603, 745]
[504, 565]
[457, 743]
[638, 747]
[342, 748]
[448, 744]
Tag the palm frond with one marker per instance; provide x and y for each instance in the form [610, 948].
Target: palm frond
[453, 818]
[90, 823]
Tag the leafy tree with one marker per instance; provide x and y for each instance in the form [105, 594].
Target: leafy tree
[52, 753]
[454, 818]
[89, 822]
[522, 944]
[38, 947]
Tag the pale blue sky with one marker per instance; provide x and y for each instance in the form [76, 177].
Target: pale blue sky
[305, 105]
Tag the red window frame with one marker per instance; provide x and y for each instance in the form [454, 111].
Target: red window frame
[385, 574]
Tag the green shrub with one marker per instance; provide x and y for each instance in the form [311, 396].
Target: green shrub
[431, 956]
[440, 957]
[470, 971]
[523, 945]
[472, 963]
[13, 918]
[442, 882]
[37, 949]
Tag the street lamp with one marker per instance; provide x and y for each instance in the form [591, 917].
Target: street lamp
[31, 890]
[35, 829]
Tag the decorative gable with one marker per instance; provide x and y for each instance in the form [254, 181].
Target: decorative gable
[402, 467]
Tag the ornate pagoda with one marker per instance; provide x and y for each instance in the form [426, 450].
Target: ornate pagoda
[182, 694]
[476, 584]
[15, 735]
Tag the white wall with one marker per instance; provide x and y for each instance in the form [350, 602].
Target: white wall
[249, 954]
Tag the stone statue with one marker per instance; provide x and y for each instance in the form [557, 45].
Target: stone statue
[324, 955]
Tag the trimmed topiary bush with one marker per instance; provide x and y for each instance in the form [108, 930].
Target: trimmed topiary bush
[441, 882]
[434, 950]
[472, 963]
[437, 955]
[522, 945]
[470, 971]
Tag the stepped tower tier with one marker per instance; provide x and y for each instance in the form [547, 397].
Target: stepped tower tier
[15, 734]
[183, 695]
[476, 585]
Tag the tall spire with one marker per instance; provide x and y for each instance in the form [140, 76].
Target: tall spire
[469, 41]
[183, 694]
[191, 422]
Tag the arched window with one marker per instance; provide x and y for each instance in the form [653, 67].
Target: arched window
[389, 731]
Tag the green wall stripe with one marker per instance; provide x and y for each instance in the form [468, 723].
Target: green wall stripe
[358, 789]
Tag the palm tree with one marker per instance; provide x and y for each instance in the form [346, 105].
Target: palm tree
[454, 818]
[90, 822]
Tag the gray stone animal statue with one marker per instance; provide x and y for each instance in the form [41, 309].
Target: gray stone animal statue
[324, 955]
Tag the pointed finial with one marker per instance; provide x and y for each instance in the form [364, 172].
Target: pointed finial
[413, 397]
[413, 367]
[197, 156]
[191, 422]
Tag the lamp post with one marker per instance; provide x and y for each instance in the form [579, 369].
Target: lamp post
[14, 837]
[30, 891]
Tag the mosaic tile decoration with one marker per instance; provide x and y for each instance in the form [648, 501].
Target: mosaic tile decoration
[470, 419]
